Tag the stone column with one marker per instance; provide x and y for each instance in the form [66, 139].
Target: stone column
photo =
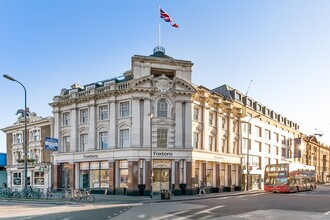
[133, 189]
[190, 178]
[74, 134]
[112, 174]
[188, 126]
[72, 175]
[177, 190]
[57, 176]
[92, 137]
[178, 125]
[113, 125]
[136, 123]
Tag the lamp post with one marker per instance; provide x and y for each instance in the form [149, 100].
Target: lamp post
[25, 133]
[248, 153]
[151, 154]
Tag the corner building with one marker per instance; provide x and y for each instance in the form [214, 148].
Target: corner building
[109, 130]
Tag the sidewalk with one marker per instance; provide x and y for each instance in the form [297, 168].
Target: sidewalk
[121, 199]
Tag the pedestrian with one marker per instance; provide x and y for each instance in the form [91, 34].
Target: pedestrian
[4, 185]
[201, 188]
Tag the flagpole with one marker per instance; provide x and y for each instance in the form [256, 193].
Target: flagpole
[159, 43]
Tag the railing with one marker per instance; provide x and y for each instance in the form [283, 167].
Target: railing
[47, 194]
[80, 94]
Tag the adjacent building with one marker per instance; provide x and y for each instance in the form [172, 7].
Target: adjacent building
[316, 154]
[39, 168]
[267, 137]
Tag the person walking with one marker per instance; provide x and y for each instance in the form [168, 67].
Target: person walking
[201, 188]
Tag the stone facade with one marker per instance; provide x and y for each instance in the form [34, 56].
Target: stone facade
[106, 130]
[39, 167]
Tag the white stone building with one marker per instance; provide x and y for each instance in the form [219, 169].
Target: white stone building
[271, 136]
[106, 130]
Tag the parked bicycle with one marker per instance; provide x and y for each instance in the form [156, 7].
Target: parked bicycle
[78, 195]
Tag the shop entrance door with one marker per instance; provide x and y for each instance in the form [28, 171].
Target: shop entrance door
[162, 179]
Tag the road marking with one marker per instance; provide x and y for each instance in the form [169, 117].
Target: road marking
[172, 215]
[210, 209]
[223, 197]
[327, 213]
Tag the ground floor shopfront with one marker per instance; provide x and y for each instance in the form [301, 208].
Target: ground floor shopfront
[128, 171]
[38, 175]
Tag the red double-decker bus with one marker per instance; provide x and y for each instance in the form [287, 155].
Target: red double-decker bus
[289, 177]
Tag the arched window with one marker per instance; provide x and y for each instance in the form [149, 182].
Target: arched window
[162, 108]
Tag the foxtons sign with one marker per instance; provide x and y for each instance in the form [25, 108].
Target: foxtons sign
[163, 154]
[88, 156]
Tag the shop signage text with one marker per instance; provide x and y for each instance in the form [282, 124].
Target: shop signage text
[88, 156]
[163, 154]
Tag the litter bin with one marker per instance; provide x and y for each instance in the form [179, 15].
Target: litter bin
[165, 194]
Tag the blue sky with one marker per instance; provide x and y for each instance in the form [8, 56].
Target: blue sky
[282, 46]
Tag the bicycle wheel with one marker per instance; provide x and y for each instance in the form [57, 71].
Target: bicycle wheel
[90, 198]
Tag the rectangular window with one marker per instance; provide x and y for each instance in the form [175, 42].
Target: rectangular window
[123, 172]
[249, 102]
[66, 144]
[83, 142]
[224, 145]
[283, 152]
[224, 123]
[276, 137]
[38, 178]
[210, 147]
[211, 119]
[238, 96]
[258, 144]
[196, 114]
[162, 109]
[17, 138]
[162, 138]
[66, 119]
[195, 142]
[35, 135]
[283, 139]
[124, 138]
[124, 109]
[103, 113]
[267, 134]
[83, 116]
[258, 131]
[17, 178]
[268, 148]
[103, 140]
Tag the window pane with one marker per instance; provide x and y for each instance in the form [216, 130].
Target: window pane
[161, 138]
[124, 138]
[162, 108]
[103, 113]
[103, 141]
[124, 109]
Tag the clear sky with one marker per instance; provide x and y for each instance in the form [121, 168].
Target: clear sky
[282, 46]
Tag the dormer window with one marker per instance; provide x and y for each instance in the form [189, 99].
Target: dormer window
[238, 97]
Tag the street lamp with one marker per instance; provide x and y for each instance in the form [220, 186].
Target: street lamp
[151, 154]
[248, 152]
[25, 133]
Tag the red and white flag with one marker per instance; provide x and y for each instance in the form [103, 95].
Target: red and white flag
[167, 18]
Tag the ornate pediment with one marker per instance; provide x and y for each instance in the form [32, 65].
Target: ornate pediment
[163, 84]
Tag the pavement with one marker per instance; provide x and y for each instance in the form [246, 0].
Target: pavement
[122, 199]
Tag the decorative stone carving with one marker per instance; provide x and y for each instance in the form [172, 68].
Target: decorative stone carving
[163, 84]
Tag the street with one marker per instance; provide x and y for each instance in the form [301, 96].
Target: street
[303, 205]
